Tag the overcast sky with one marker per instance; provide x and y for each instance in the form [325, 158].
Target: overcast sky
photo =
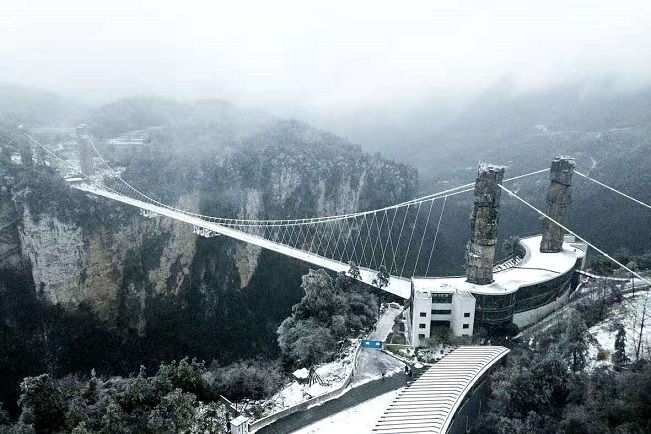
[316, 53]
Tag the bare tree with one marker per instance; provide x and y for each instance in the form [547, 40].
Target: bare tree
[605, 288]
[632, 266]
[637, 314]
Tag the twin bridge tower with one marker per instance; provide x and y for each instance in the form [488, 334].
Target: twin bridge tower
[85, 150]
[485, 217]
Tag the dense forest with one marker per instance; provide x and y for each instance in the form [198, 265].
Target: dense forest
[184, 396]
[548, 386]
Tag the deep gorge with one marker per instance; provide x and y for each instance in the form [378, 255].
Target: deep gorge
[88, 284]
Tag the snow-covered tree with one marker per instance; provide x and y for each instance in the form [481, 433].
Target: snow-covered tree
[619, 357]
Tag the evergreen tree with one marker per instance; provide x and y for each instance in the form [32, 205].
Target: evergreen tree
[575, 341]
[114, 419]
[619, 356]
[91, 393]
[42, 404]
[81, 429]
[327, 314]
[173, 414]
[511, 247]
[353, 271]
[381, 278]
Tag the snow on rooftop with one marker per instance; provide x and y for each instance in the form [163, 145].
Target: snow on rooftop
[301, 374]
[536, 267]
[239, 420]
[464, 295]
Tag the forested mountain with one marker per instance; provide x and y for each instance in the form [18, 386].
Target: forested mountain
[87, 283]
[20, 105]
[506, 126]
[607, 129]
[444, 132]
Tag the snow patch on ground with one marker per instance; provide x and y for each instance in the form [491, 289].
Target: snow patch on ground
[629, 314]
[372, 363]
[333, 375]
[358, 419]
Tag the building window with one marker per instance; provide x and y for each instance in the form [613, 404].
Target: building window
[465, 334]
[441, 311]
[440, 324]
[465, 326]
[421, 326]
[466, 315]
[534, 296]
[438, 297]
[494, 309]
[423, 314]
[420, 335]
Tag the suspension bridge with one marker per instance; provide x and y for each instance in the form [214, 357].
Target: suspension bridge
[384, 247]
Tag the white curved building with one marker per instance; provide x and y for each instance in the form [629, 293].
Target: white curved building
[522, 293]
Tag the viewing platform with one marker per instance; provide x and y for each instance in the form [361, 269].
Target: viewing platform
[535, 267]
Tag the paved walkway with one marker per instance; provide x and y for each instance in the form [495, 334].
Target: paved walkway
[367, 384]
[384, 326]
[351, 398]
[371, 363]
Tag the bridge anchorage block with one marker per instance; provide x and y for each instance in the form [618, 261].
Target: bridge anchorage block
[148, 214]
[204, 232]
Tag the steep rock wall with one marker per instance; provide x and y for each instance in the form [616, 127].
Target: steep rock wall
[247, 255]
[71, 264]
[57, 255]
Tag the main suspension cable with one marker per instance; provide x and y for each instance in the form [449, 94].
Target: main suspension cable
[613, 189]
[542, 214]
[288, 222]
[230, 222]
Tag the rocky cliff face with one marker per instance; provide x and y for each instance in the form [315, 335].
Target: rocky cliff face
[284, 186]
[71, 264]
[247, 255]
[57, 255]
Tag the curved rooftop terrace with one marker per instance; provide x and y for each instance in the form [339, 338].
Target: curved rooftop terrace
[536, 267]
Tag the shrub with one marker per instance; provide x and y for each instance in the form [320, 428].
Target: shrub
[603, 355]
[253, 379]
